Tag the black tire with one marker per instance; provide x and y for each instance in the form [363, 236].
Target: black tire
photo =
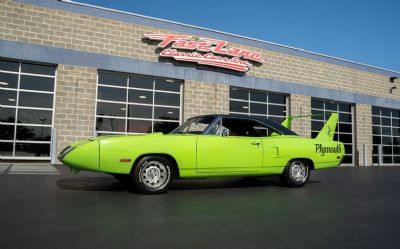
[296, 174]
[151, 175]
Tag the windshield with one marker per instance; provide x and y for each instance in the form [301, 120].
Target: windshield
[194, 126]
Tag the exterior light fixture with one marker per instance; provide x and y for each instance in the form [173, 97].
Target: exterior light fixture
[392, 79]
[391, 89]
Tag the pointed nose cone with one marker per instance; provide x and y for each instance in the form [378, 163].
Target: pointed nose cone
[82, 156]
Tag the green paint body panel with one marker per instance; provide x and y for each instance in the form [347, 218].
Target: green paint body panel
[204, 156]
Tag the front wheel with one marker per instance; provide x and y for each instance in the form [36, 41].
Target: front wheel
[296, 174]
[151, 175]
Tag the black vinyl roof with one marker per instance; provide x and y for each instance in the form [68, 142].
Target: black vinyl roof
[268, 122]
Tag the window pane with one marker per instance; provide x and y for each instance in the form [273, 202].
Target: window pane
[8, 80]
[237, 93]
[348, 148]
[345, 117]
[165, 127]
[37, 83]
[113, 79]
[396, 122]
[277, 110]
[387, 150]
[276, 98]
[139, 96]
[170, 99]
[111, 109]
[238, 106]
[376, 140]
[316, 126]
[8, 97]
[42, 100]
[166, 113]
[345, 128]
[33, 133]
[386, 121]
[7, 132]
[28, 116]
[386, 112]
[376, 120]
[347, 160]
[318, 104]
[7, 115]
[9, 66]
[387, 159]
[386, 131]
[141, 82]
[168, 85]
[331, 106]
[258, 108]
[140, 111]
[38, 69]
[376, 130]
[6, 149]
[32, 150]
[387, 140]
[110, 124]
[344, 107]
[376, 111]
[111, 93]
[258, 96]
[139, 126]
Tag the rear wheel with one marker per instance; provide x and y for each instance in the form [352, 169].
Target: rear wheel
[151, 175]
[296, 173]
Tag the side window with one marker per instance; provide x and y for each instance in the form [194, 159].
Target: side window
[244, 128]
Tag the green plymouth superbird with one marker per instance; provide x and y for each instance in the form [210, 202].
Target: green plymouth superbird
[208, 146]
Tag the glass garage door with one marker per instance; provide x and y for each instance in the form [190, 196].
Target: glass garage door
[257, 103]
[26, 113]
[134, 104]
[344, 129]
[386, 132]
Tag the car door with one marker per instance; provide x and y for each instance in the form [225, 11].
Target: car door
[235, 147]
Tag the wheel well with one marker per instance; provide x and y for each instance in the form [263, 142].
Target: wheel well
[174, 166]
[308, 161]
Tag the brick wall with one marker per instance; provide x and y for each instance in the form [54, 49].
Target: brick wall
[301, 105]
[363, 126]
[56, 28]
[75, 104]
[204, 98]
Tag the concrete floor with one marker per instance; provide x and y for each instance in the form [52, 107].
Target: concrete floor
[339, 208]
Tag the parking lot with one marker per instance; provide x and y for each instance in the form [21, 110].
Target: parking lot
[338, 208]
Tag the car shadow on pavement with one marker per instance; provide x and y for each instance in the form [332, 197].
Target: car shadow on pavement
[90, 184]
[226, 183]
[105, 183]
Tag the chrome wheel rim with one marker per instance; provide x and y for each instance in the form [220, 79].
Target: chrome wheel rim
[154, 175]
[298, 171]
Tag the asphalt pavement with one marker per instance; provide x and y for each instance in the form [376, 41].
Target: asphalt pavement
[339, 208]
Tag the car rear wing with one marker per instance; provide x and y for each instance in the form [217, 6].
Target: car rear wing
[327, 132]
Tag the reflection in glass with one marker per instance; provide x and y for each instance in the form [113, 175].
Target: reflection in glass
[6, 132]
[166, 113]
[139, 126]
[8, 97]
[139, 96]
[238, 93]
[36, 83]
[6, 149]
[114, 79]
[276, 98]
[165, 127]
[11, 66]
[7, 115]
[33, 133]
[168, 85]
[170, 99]
[258, 108]
[29, 116]
[32, 150]
[110, 124]
[41, 100]
[38, 69]
[111, 109]
[111, 93]
[238, 106]
[141, 82]
[140, 111]
[8, 80]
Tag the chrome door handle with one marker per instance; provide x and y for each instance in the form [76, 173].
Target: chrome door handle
[255, 143]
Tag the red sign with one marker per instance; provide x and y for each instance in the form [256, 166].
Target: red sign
[205, 51]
